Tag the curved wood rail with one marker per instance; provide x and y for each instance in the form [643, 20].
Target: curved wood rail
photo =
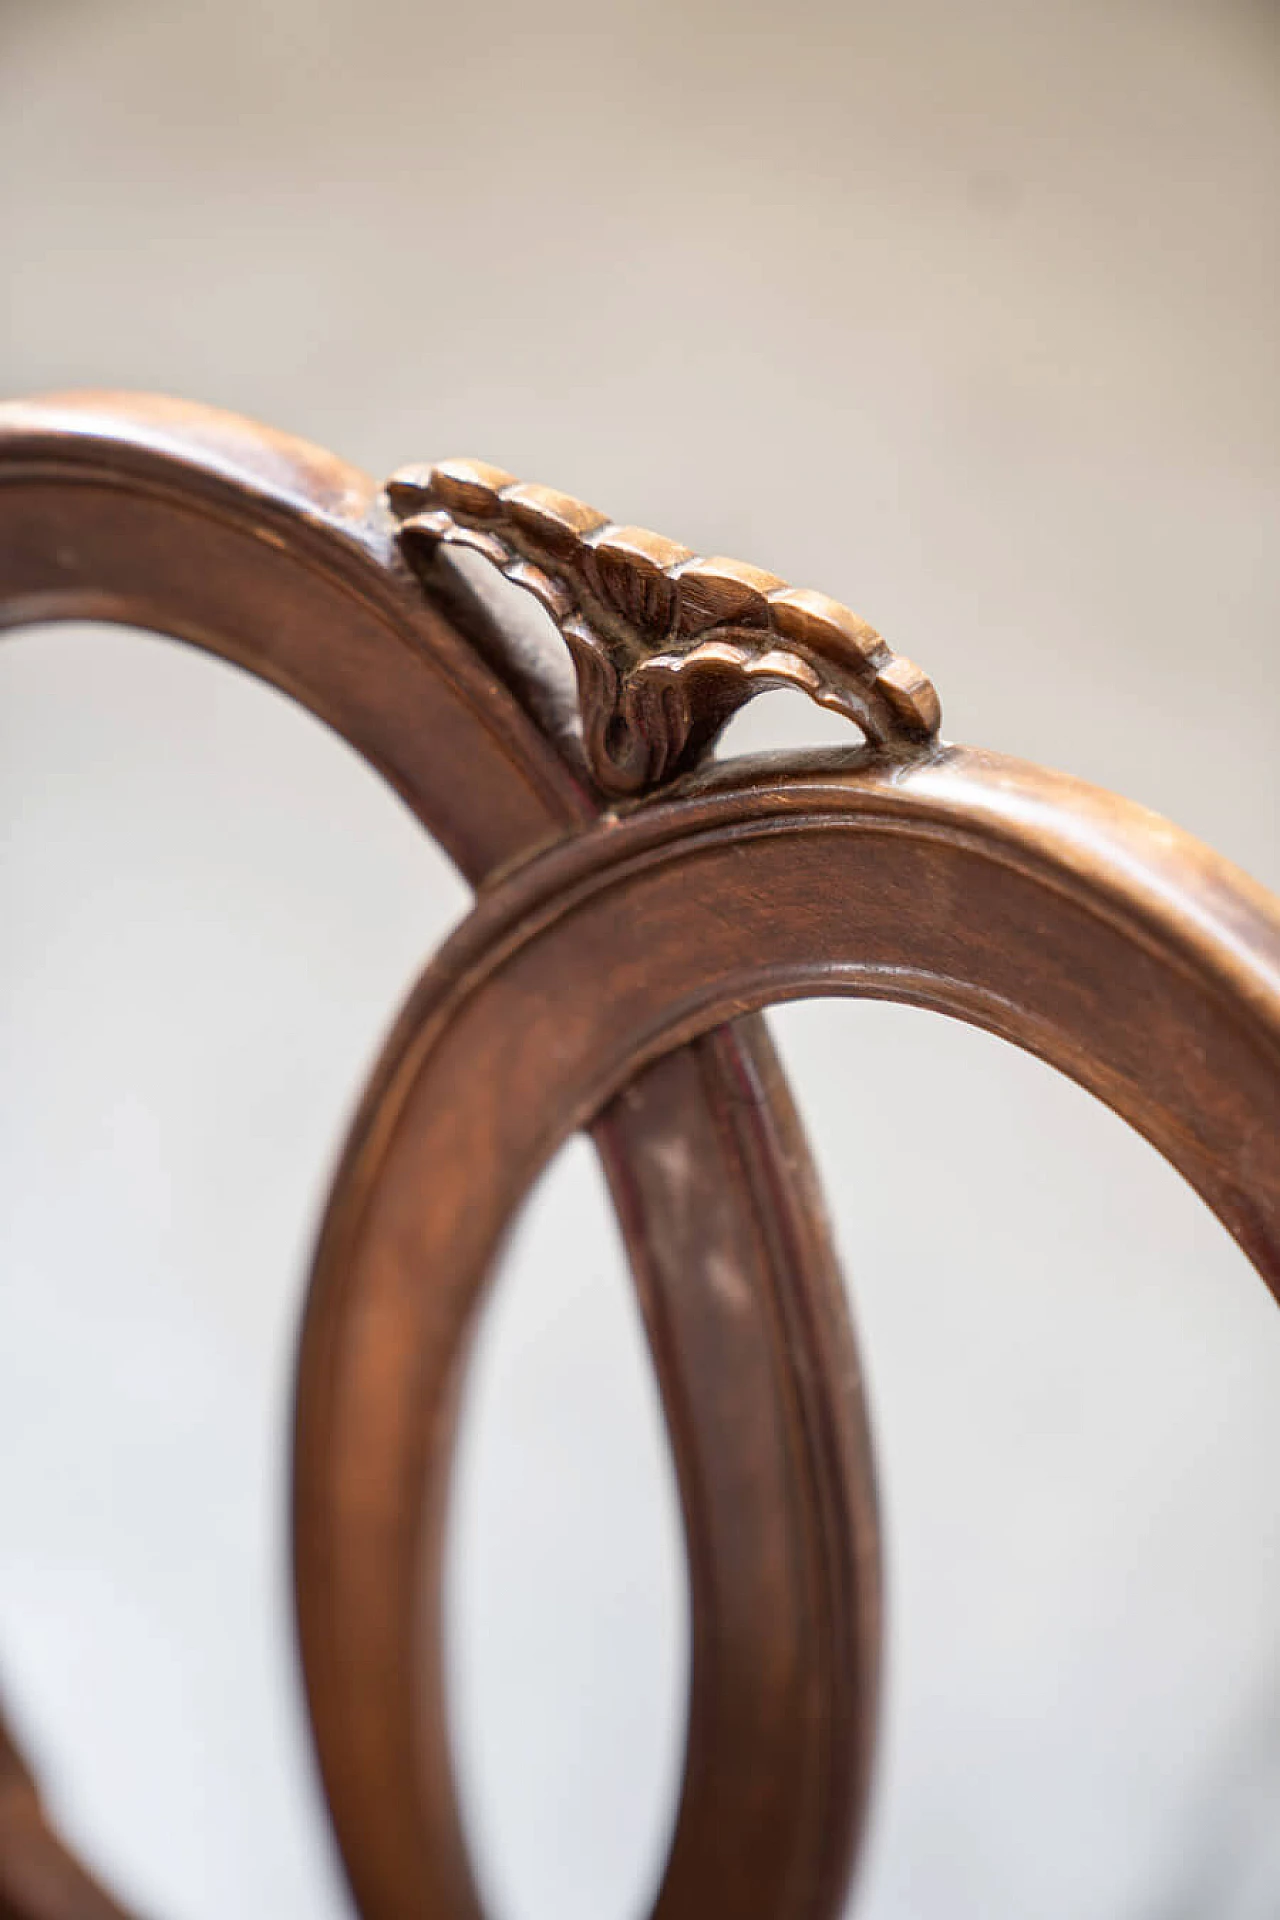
[282, 559]
[1070, 923]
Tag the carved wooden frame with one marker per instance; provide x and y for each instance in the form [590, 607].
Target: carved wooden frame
[286, 561]
[1068, 921]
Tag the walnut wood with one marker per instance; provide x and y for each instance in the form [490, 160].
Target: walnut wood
[591, 983]
[1081, 928]
[284, 560]
[667, 646]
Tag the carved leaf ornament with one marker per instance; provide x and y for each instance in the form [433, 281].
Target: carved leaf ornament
[666, 645]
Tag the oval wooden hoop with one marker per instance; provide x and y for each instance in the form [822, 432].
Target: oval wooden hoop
[282, 559]
[1071, 923]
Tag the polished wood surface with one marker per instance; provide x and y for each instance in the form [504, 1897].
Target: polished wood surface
[610, 976]
[667, 645]
[1077, 927]
[286, 561]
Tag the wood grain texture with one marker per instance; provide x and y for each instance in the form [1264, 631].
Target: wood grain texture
[1085, 930]
[610, 976]
[282, 559]
[667, 645]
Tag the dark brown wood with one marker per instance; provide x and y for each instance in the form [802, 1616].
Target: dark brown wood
[667, 645]
[1076, 926]
[610, 975]
[282, 559]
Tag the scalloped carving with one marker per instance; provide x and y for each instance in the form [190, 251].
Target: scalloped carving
[666, 645]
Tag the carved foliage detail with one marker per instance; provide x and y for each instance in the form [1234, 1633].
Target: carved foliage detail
[666, 645]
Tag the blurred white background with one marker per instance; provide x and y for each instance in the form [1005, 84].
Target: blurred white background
[965, 314]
